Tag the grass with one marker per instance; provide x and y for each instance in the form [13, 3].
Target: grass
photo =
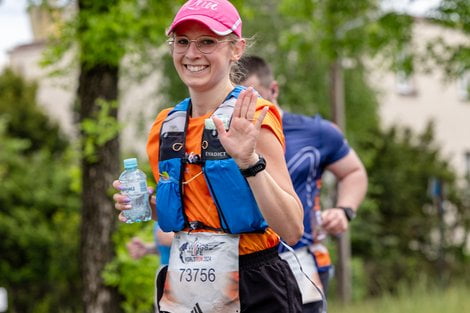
[451, 300]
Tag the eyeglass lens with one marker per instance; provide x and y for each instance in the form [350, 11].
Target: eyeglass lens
[203, 44]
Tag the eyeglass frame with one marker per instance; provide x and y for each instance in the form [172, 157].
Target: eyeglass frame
[171, 43]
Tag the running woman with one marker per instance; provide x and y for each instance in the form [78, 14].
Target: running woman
[223, 184]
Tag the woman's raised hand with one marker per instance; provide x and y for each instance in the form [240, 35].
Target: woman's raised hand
[240, 140]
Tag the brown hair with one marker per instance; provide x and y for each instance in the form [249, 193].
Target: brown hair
[250, 65]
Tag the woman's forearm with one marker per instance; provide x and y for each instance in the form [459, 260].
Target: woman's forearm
[282, 210]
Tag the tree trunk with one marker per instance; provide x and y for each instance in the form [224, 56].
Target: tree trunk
[98, 214]
[343, 242]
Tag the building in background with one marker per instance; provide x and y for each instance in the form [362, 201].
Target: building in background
[415, 100]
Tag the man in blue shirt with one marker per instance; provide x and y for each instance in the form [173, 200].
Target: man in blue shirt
[313, 145]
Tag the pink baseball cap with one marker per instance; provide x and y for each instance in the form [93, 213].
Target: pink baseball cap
[219, 15]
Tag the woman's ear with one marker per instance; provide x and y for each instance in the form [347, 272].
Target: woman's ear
[238, 50]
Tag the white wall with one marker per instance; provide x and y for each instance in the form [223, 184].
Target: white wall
[435, 99]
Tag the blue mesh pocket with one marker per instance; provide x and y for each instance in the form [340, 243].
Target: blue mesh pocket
[240, 213]
[169, 202]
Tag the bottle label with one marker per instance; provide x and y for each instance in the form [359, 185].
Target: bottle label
[134, 187]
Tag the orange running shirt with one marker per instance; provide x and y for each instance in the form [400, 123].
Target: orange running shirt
[198, 202]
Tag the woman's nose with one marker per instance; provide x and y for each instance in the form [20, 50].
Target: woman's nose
[192, 49]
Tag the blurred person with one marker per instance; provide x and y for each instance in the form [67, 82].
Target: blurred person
[137, 248]
[313, 145]
[223, 184]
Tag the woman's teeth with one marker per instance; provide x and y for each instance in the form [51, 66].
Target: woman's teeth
[195, 68]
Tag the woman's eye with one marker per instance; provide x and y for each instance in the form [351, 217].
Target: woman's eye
[207, 42]
[182, 41]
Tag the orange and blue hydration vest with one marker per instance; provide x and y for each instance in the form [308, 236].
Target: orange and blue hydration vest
[236, 206]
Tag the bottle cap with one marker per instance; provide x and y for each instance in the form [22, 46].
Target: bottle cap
[130, 163]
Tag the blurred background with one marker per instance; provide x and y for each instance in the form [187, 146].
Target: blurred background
[82, 81]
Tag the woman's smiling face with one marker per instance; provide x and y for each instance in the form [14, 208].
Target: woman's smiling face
[200, 71]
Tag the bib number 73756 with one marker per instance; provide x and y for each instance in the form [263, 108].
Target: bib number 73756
[197, 274]
[202, 274]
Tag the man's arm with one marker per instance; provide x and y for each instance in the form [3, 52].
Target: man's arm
[352, 187]
[137, 248]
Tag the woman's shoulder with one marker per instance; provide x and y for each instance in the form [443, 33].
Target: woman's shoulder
[154, 133]
[273, 119]
[273, 109]
[161, 116]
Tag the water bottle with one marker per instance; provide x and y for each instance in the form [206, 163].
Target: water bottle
[134, 186]
[316, 221]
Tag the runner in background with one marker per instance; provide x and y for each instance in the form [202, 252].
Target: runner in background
[161, 246]
[313, 145]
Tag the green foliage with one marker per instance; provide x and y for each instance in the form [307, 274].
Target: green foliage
[454, 58]
[109, 30]
[24, 118]
[38, 208]
[400, 217]
[347, 28]
[286, 35]
[99, 129]
[455, 14]
[134, 278]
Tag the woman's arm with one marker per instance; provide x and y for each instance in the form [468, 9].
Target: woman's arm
[164, 238]
[274, 192]
[272, 187]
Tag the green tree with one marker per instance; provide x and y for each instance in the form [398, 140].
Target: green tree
[453, 58]
[39, 214]
[25, 119]
[103, 32]
[399, 213]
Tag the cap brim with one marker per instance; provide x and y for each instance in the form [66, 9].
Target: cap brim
[215, 26]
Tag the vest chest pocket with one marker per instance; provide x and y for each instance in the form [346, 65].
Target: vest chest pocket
[238, 208]
[169, 202]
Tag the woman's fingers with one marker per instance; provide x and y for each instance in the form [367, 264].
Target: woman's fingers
[219, 126]
[121, 202]
[245, 104]
[237, 109]
[248, 104]
[121, 217]
[251, 106]
[262, 115]
[117, 185]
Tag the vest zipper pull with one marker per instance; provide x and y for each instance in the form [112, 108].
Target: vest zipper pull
[193, 226]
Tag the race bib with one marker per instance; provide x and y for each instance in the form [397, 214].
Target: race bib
[202, 275]
[309, 292]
